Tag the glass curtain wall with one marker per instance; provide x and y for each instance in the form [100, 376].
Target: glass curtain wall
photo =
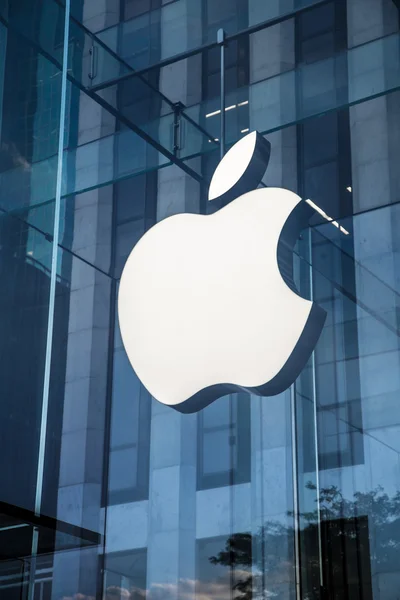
[289, 497]
[30, 101]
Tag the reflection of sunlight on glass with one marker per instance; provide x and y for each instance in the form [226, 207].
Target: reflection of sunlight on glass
[327, 217]
[212, 114]
[231, 107]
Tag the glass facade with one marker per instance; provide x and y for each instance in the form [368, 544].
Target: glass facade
[110, 116]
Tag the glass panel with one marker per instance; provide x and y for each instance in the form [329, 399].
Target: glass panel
[216, 415]
[13, 582]
[267, 105]
[41, 22]
[348, 498]
[123, 469]
[76, 417]
[124, 423]
[30, 95]
[213, 572]
[181, 26]
[3, 48]
[216, 452]
[125, 575]
[93, 63]
[120, 155]
[307, 481]
[311, 89]
[130, 432]
[293, 94]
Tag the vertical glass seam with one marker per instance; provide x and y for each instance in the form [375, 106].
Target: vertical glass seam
[53, 275]
[296, 515]
[3, 47]
[315, 416]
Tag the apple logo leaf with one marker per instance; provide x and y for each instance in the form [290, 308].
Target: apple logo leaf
[241, 169]
[208, 305]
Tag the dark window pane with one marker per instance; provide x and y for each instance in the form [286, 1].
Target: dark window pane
[320, 139]
[133, 8]
[317, 20]
[220, 11]
[127, 237]
[318, 47]
[322, 185]
[131, 198]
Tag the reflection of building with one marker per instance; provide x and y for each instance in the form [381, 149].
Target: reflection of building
[295, 496]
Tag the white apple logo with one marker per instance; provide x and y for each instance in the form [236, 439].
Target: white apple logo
[207, 304]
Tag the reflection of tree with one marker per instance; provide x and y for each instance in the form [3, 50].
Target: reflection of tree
[357, 532]
[362, 530]
[257, 562]
[383, 514]
[238, 553]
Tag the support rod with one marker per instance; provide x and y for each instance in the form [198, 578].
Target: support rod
[51, 312]
[221, 43]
